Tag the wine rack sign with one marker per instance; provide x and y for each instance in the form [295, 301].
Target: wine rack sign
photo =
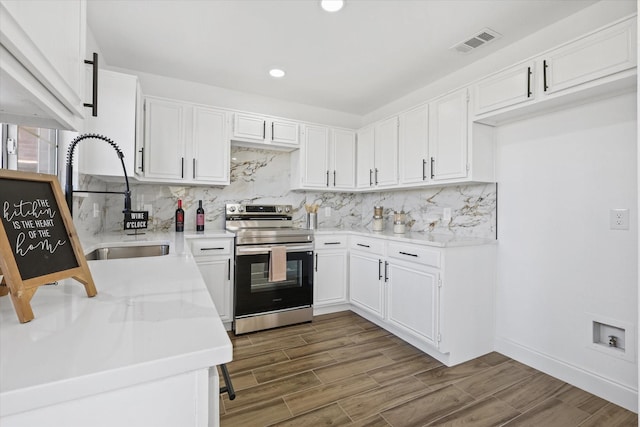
[38, 242]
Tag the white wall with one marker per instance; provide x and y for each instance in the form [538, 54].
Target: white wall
[559, 264]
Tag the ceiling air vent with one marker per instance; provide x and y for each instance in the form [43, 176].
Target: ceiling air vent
[485, 36]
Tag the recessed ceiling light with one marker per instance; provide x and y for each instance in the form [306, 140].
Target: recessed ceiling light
[277, 73]
[332, 5]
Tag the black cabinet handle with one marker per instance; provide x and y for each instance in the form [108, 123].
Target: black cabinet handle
[379, 269]
[408, 254]
[194, 168]
[264, 130]
[386, 271]
[141, 167]
[272, 131]
[376, 176]
[182, 167]
[334, 178]
[229, 269]
[433, 167]
[544, 74]
[331, 243]
[529, 82]
[370, 179]
[316, 262]
[327, 178]
[94, 100]
[424, 170]
[211, 249]
[363, 245]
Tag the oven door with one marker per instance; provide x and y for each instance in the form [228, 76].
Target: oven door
[254, 293]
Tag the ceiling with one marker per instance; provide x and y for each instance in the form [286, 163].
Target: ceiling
[355, 60]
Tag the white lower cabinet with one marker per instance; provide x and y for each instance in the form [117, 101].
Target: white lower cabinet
[366, 275]
[330, 273]
[439, 300]
[413, 300]
[214, 257]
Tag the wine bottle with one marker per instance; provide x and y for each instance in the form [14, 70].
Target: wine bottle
[179, 217]
[200, 217]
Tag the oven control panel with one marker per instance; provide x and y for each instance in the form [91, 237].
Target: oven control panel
[236, 209]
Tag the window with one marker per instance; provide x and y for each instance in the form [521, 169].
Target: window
[29, 149]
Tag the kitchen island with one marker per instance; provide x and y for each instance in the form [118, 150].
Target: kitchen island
[138, 353]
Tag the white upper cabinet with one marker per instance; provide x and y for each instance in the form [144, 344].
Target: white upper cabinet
[600, 54]
[42, 68]
[593, 65]
[185, 143]
[512, 86]
[315, 150]
[326, 159]
[365, 158]
[448, 126]
[267, 131]
[377, 155]
[165, 140]
[414, 146]
[211, 151]
[342, 159]
[117, 119]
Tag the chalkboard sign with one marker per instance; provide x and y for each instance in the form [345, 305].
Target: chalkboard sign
[38, 242]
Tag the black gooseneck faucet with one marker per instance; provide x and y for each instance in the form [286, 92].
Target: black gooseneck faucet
[69, 182]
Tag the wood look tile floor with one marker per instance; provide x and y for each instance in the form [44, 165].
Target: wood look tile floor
[342, 370]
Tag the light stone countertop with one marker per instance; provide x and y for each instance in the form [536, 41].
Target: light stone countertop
[152, 318]
[420, 238]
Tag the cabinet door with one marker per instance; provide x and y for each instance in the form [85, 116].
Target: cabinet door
[217, 276]
[343, 159]
[365, 284]
[285, 132]
[598, 55]
[365, 151]
[210, 161]
[247, 126]
[414, 146]
[117, 107]
[164, 139]
[386, 153]
[330, 278]
[448, 136]
[412, 301]
[512, 86]
[316, 157]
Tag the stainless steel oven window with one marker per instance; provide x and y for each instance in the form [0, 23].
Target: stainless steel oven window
[260, 277]
[29, 149]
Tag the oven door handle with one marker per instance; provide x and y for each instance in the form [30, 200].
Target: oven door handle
[265, 249]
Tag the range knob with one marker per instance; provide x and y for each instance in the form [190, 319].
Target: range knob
[232, 208]
[279, 209]
[287, 209]
[240, 208]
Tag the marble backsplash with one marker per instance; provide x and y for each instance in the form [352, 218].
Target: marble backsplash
[261, 176]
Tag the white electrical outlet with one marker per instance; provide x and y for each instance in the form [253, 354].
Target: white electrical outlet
[446, 214]
[619, 219]
[96, 210]
[327, 211]
[148, 208]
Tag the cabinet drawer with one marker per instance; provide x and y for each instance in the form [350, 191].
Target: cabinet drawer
[367, 244]
[415, 254]
[330, 242]
[211, 247]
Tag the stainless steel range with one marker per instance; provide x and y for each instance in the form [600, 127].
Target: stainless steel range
[266, 240]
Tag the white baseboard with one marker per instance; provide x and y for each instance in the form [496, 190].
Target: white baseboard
[592, 382]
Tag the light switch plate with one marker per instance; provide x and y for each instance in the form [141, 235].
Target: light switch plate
[619, 219]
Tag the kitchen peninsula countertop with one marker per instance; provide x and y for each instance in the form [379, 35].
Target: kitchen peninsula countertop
[152, 318]
[420, 238]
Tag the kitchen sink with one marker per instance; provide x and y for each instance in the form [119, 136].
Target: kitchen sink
[116, 252]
